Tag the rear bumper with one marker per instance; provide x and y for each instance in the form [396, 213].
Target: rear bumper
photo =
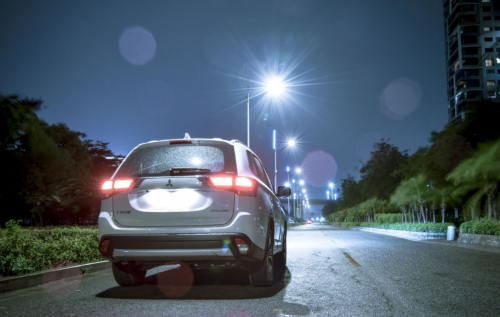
[171, 247]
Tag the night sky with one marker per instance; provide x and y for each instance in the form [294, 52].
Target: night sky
[127, 72]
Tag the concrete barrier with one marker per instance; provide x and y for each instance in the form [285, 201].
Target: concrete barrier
[411, 235]
[479, 241]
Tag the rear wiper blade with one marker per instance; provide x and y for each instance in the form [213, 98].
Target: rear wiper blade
[188, 171]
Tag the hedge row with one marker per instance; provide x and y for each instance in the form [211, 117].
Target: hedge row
[487, 227]
[415, 227]
[26, 250]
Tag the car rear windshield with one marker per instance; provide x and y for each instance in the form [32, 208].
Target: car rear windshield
[163, 159]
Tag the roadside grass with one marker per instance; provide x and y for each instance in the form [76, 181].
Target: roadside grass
[27, 250]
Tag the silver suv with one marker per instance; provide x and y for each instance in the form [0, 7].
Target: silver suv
[199, 201]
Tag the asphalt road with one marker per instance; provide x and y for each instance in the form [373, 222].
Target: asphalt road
[330, 272]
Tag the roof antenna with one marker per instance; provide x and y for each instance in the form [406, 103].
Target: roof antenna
[186, 136]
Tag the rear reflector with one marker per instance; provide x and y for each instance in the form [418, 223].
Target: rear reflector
[103, 248]
[242, 245]
[180, 142]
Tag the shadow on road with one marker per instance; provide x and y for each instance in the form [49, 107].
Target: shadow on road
[214, 283]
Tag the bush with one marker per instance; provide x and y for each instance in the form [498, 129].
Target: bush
[388, 218]
[486, 227]
[415, 227]
[346, 224]
[26, 250]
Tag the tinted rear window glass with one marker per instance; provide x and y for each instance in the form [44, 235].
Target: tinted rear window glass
[158, 160]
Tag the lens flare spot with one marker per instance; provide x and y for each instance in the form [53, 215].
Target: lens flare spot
[176, 282]
[137, 45]
[400, 98]
[319, 167]
[221, 49]
[157, 99]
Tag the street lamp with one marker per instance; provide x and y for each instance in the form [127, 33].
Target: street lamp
[331, 185]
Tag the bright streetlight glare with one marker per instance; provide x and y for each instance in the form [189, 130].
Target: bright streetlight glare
[303, 190]
[301, 182]
[291, 142]
[287, 184]
[275, 86]
[331, 185]
[298, 170]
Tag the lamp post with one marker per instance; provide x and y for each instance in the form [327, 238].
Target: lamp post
[275, 162]
[248, 109]
[331, 185]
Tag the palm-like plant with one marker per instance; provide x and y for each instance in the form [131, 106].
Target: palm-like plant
[480, 173]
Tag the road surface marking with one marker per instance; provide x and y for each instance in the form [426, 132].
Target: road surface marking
[350, 259]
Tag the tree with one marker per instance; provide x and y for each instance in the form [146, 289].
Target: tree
[379, 179]
[480, 173]
[350, 192]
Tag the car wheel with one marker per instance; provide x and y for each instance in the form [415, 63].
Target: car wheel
[262, 273]
[281, 257]
[127, 275]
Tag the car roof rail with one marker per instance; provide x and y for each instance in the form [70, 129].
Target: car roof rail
[238, 141]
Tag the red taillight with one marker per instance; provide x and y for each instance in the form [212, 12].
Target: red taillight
[180, 142]
[242, 186]
[111, 187]
[103, 248]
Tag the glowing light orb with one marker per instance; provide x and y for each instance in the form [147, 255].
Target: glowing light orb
[275, 86]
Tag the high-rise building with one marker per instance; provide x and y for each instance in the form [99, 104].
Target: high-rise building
[472, 33]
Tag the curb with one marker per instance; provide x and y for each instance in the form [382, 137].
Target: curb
[34, 279]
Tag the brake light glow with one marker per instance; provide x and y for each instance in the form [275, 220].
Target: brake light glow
[122, 184]
[110, 187]
[243, 182]
[222, 181]
[107, 185]
[180, 142]
[242, 186]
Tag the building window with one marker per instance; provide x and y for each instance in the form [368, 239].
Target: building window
[497, 17]
[498, 71]
[497, 28]
[498, 60]
[488, 62]
[487, 28]
[492, 94]
[486, 0]
[499, 82]
[497, 49]
[490, 71]
[488, 50]
[487, 18]
[490, 83]
[486, 9]
[488, 39]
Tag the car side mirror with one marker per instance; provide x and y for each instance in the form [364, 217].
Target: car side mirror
[284, 191]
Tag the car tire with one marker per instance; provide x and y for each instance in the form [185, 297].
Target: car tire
[281, 257]
[262, 273]
[127, 275]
